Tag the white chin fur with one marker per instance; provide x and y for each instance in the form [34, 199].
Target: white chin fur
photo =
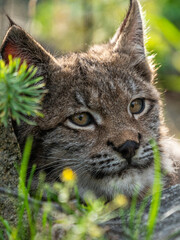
[135, 179]
[109, 187]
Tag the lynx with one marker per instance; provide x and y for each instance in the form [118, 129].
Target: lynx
[100, 112]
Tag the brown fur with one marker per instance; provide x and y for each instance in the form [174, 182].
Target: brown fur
[102, 82]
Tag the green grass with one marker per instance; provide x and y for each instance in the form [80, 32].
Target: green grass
[156, 191]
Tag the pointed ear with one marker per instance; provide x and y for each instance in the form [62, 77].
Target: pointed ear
[18, 43]
[129, 39]
[11, 22]
[130, 35]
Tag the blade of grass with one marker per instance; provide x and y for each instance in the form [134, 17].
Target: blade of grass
[22, 190]
[138, 224]
[133, 212]
[157, 189]
[78, 203]
[31, 177]
[1, 235]
[24, 165]
[6, 225]
[173, 235]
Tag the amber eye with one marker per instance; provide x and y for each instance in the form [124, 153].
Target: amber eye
[82, 119]
[137, 106]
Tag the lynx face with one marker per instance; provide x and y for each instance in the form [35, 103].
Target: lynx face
[108, 119]
[101, 111]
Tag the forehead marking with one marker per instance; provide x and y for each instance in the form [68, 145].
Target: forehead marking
[80, 99]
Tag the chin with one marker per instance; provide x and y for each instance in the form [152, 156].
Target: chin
[130, 182]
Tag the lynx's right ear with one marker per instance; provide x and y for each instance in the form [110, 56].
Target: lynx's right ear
[129, 39]
[130, 35]
[18, 43]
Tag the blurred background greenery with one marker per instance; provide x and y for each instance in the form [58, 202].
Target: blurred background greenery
[72, 25]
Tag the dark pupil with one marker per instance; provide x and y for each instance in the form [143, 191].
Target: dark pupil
[133, 104]
[80, 117]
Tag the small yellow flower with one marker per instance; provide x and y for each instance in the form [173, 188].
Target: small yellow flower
[95, 231]
[68, 175]
[120, 200]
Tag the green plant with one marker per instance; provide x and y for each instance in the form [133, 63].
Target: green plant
[20, 91]
[157, 189]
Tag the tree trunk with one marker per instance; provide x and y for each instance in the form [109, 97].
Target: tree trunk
[10, 157]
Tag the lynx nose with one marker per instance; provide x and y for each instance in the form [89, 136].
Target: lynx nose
[128, 149]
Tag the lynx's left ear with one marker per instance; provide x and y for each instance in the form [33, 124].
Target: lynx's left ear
[20, 44]
[130, 35]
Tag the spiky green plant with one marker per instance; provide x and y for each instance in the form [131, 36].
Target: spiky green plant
[20, 91]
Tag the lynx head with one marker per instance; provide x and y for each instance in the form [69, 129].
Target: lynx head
[101, 110]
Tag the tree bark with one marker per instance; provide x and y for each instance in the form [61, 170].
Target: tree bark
[10, 157]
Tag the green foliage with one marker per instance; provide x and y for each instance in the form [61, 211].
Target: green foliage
[20, 92]
[23, 190]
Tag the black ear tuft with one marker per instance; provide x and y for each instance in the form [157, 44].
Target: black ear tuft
[11, 22]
